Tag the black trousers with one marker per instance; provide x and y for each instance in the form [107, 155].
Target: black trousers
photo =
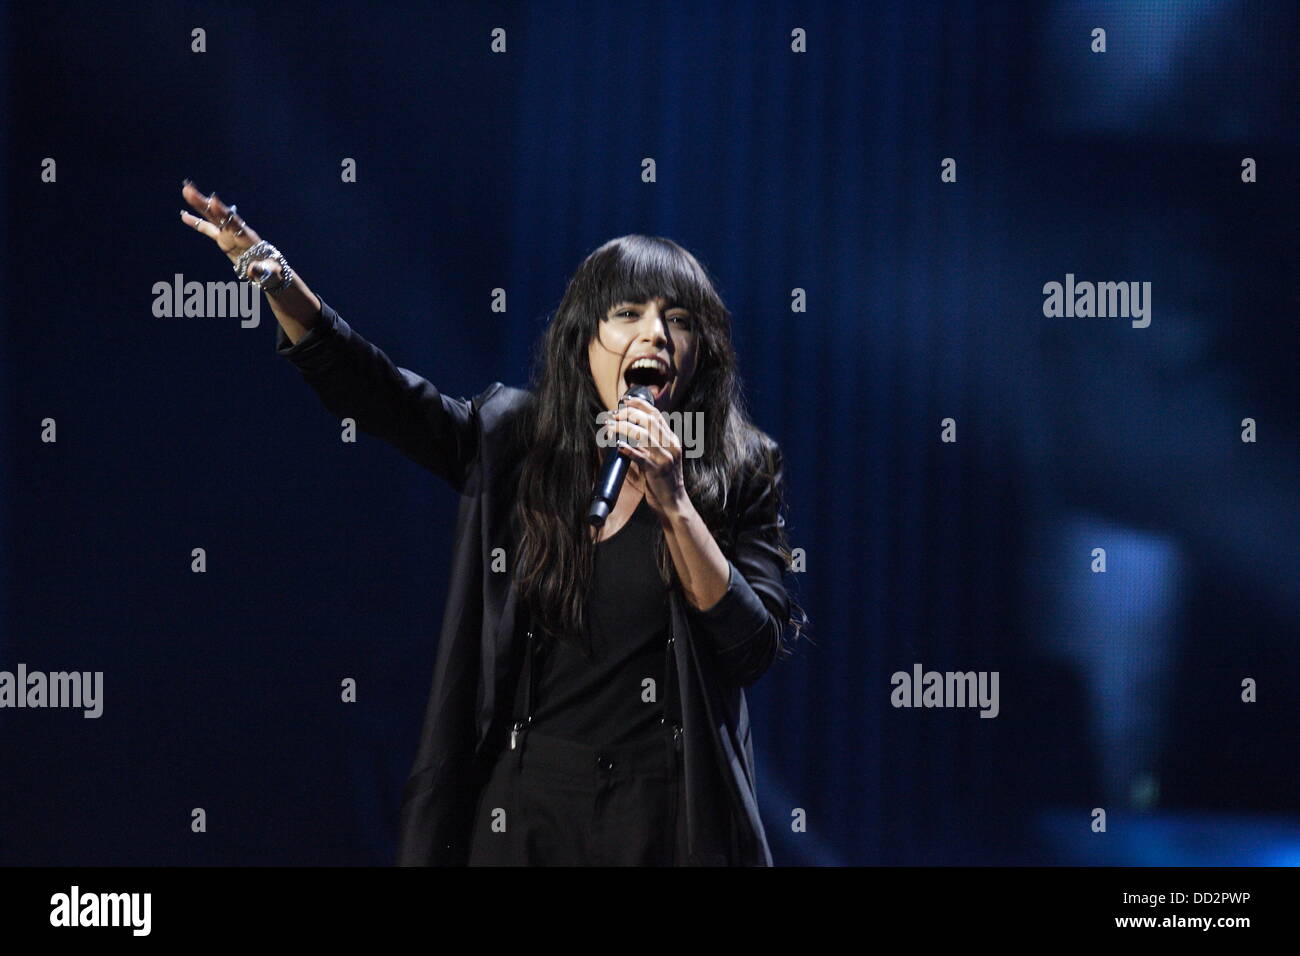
[554, 802]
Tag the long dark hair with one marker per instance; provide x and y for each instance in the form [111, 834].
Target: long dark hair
[563, 458]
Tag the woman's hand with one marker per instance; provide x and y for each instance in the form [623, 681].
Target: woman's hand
[655, 452]
[224, 226]
[296, 307]
[656, 456]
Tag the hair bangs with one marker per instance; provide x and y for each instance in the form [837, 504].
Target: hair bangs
[637, 269]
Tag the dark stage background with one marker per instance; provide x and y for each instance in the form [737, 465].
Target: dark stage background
[817, 171]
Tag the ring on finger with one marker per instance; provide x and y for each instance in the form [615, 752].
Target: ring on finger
[229, 216]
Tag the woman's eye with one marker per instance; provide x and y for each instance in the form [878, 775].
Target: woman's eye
[684, 321]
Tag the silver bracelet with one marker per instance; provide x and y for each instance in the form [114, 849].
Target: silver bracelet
[264, 250]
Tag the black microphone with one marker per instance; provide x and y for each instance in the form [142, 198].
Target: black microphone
[610, 482]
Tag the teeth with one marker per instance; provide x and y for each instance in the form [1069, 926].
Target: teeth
[648, 363]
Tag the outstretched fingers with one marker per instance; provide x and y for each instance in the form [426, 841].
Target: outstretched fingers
[200, 224]
[210, 207]
[213, 218]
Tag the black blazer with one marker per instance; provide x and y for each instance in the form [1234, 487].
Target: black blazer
[475, 446]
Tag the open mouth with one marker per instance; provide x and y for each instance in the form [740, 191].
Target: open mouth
[653, 373]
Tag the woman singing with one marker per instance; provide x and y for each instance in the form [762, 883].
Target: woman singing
[587, 704]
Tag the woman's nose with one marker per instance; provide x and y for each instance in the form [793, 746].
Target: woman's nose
[654, 330]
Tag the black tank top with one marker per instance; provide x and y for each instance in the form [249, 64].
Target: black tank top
[600, 697]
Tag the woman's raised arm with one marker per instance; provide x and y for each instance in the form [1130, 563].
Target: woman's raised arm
[353, 378]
